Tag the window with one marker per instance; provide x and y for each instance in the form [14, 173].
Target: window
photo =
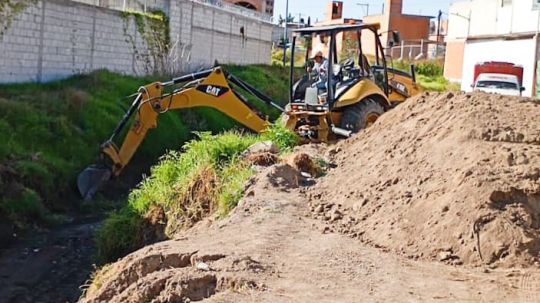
[496, 85]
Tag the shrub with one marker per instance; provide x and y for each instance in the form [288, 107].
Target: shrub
[430, 68]
[119, 234]
[429, 74]
[281, 136]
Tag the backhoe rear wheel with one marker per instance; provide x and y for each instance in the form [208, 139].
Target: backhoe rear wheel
[361, 115]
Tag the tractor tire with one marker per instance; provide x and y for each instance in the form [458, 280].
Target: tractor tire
[361, 115]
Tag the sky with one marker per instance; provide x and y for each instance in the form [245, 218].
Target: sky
[316, 8]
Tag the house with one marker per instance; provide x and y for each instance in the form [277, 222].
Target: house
[412, 28]
[334, 15]
[493, 30]
[262, 6]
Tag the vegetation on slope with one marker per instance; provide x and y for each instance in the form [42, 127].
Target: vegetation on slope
[50, 132]
[207, 177]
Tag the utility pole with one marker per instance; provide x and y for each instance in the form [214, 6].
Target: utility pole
[286, 34]
[438, 34]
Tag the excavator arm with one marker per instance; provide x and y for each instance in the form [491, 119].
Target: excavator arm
[211, 88]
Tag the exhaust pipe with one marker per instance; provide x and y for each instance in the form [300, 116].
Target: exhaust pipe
[341, 132]
[413, 73]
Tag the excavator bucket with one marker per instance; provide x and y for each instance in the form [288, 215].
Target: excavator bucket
[91, 179]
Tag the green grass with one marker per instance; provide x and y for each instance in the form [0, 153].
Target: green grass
[437, 84]
[50, 132]
[429, 74]
[212, 163]
[299, 57]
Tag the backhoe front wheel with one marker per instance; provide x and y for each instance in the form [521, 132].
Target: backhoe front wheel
[361, 115]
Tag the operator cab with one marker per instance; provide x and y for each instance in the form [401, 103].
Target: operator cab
[325, 82]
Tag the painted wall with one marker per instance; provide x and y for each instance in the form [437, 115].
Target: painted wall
[453, 61]
[58, 38]
[410, 28]
[521, 52]
[491, 17]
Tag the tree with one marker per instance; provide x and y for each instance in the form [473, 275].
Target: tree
[290, 19]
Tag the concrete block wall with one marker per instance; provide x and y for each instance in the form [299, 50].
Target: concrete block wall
[20, 47]
[209, 33]
[58, 38]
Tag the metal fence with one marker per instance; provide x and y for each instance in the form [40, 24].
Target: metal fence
[417, 50]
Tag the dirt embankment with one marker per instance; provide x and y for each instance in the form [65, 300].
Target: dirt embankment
[449, 177]
[453, 178]
[270, 250]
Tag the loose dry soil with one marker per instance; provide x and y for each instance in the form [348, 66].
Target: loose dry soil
[438, 201]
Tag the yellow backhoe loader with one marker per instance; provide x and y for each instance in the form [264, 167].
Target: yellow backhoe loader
[356, 94]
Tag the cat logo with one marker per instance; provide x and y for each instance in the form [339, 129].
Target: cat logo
[213, 90]
[399, 87]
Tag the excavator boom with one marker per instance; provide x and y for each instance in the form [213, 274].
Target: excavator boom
[211, 88]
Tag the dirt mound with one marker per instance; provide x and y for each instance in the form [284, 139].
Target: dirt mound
[262, 159]
[171, 277]
[270, 250]
[283, 176]
[450, 177]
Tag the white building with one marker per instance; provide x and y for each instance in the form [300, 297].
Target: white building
[493, 30]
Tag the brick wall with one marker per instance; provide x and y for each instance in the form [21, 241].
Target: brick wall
[58, 38]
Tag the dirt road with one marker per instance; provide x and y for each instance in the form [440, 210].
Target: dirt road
[271, 249]
[48, 267]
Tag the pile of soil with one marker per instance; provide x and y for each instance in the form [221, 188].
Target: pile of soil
[449, 177]
[270, 250]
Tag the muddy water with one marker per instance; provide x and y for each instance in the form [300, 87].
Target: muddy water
[48, 267]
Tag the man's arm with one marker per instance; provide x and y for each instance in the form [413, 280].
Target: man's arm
[324, 67]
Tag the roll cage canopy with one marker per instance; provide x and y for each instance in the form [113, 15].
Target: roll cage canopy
[331, 31]
[336, 28]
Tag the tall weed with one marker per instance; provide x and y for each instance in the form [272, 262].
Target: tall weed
[176, 186]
